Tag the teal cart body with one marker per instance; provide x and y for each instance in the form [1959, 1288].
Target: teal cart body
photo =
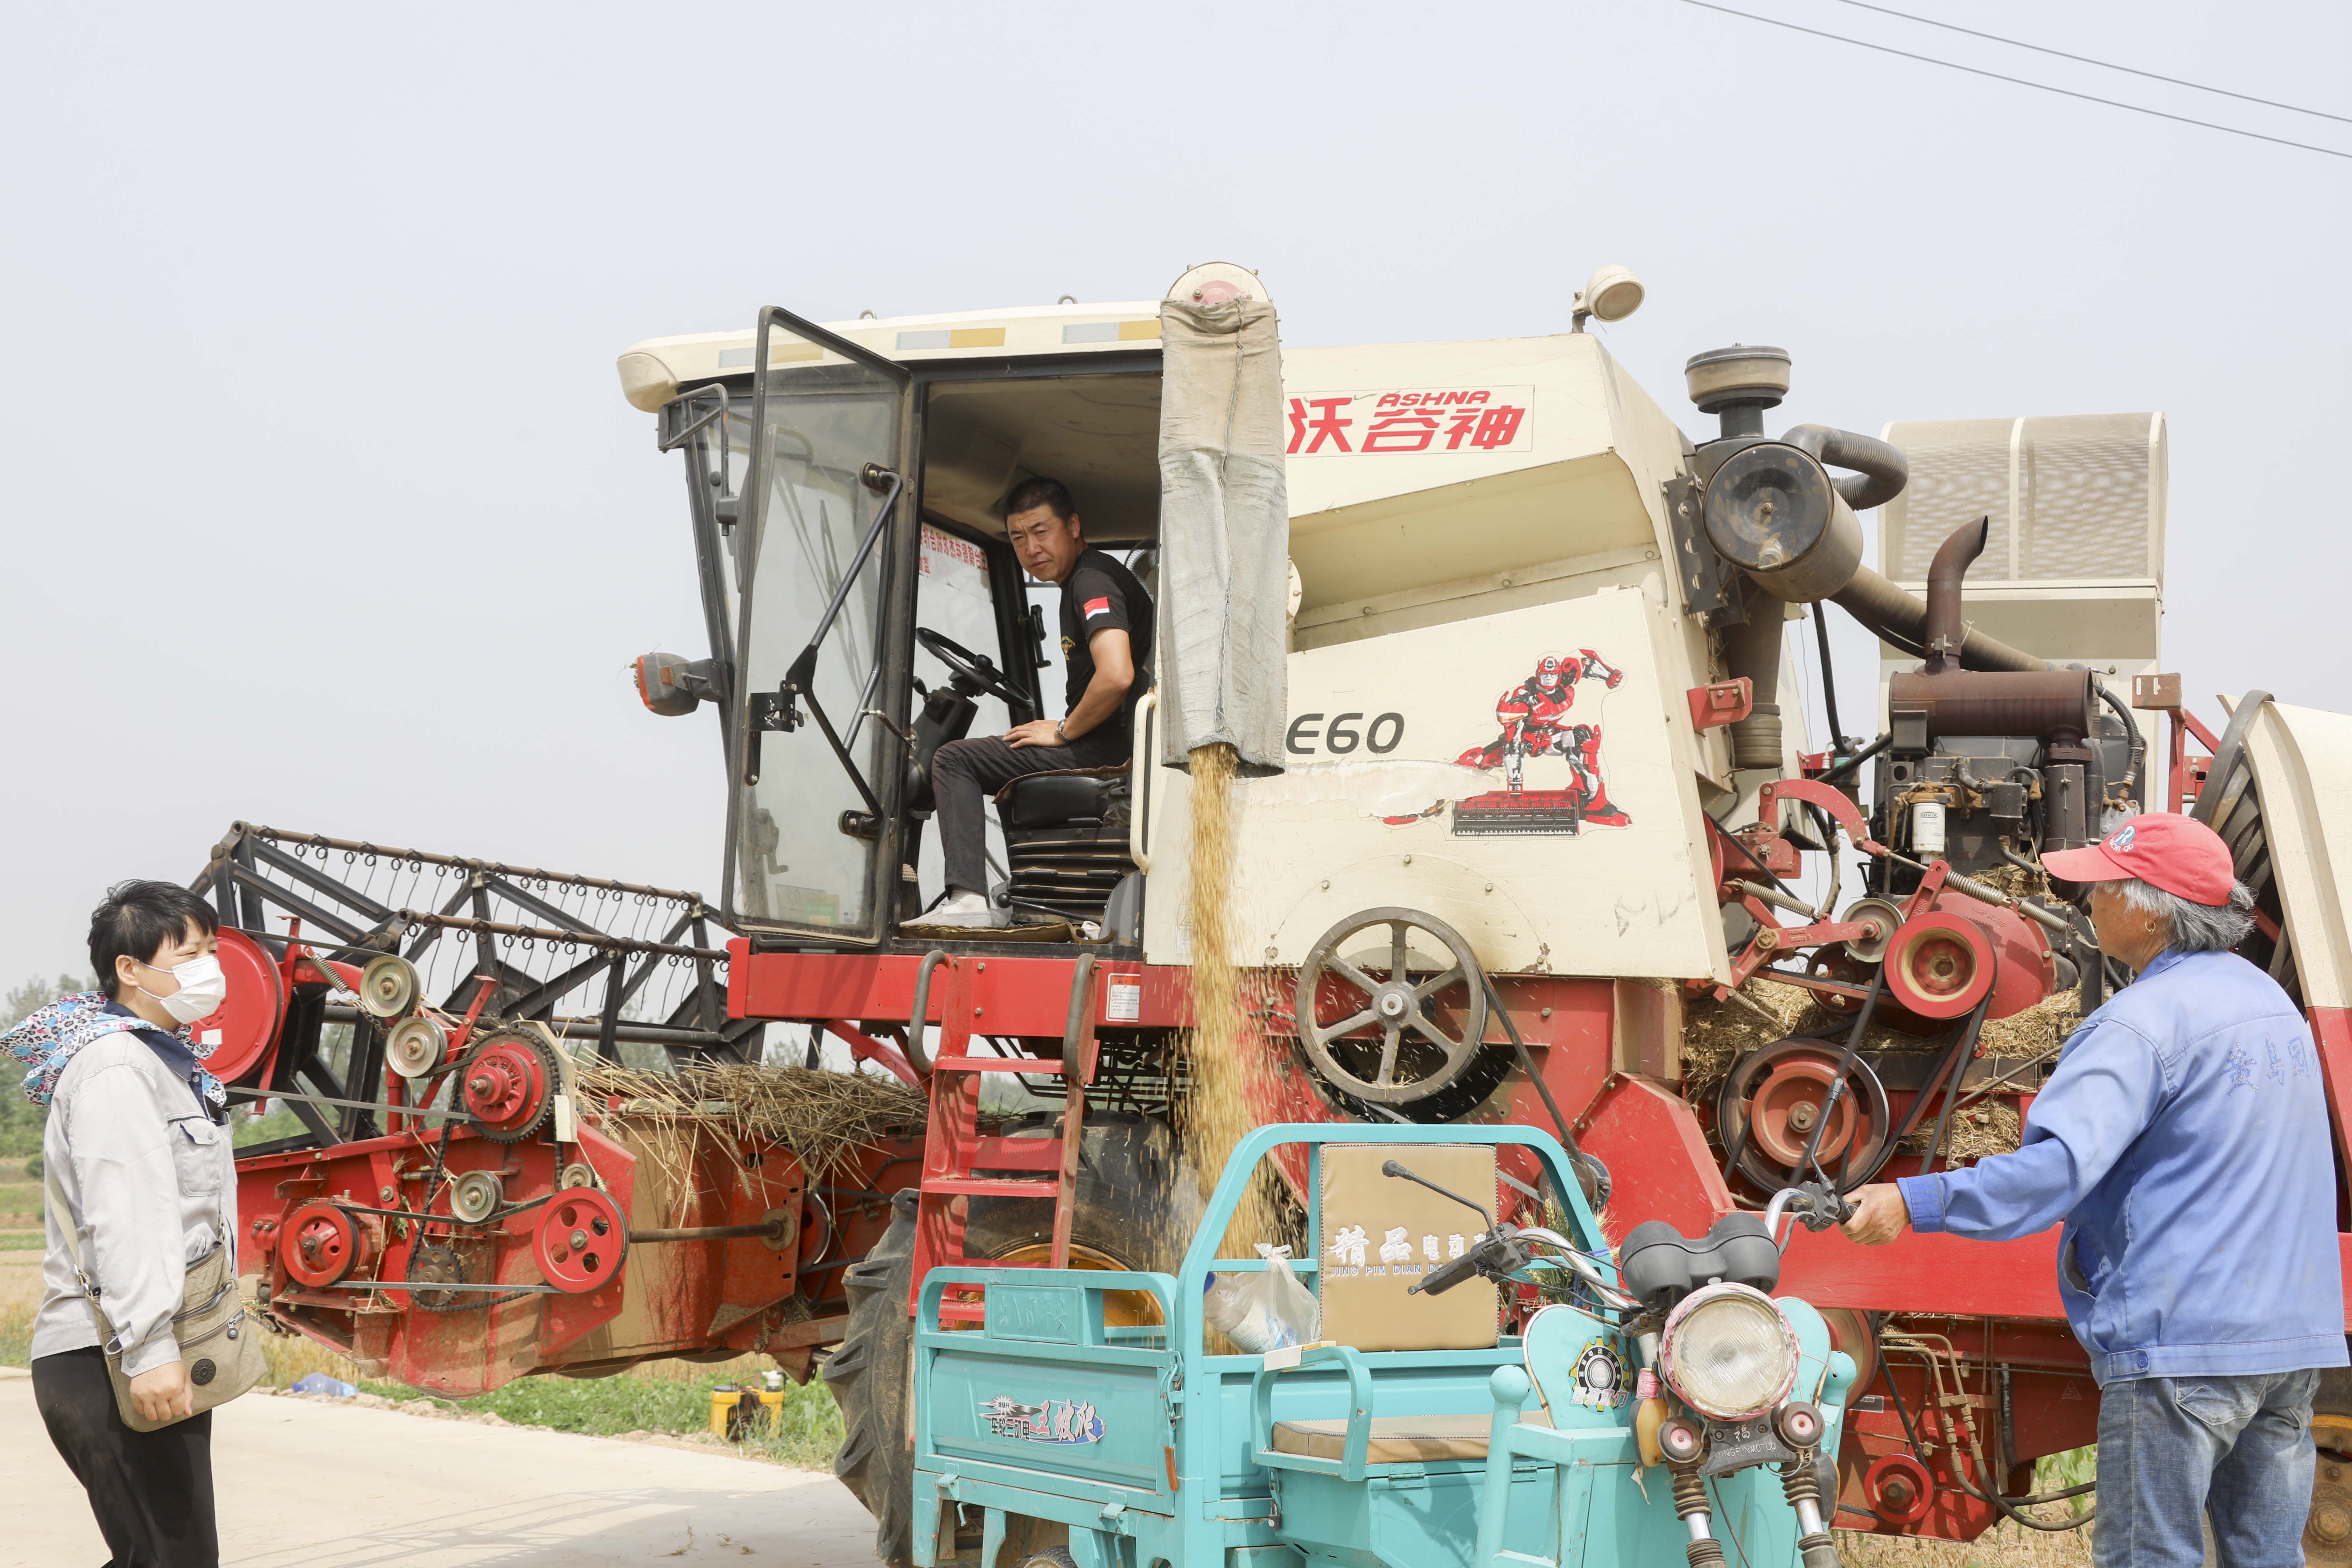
[1135, 1447]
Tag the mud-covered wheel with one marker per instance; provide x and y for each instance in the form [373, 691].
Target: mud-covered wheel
[1138, 1205]
[2328, 1531]
[870, 1377]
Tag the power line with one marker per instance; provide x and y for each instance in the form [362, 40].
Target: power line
[2021, 81]
[2103, 65]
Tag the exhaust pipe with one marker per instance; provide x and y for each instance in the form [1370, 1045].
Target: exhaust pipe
[1902, 620]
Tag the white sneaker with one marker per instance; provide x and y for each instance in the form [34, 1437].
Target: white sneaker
[963, 908]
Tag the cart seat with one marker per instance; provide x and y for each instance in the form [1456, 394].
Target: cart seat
[1396, 1439]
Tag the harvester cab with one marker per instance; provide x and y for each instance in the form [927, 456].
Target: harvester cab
[865, 607]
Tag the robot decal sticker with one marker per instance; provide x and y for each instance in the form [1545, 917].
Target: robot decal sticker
[1540, 719]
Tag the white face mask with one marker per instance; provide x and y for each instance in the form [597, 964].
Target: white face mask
[203, 989]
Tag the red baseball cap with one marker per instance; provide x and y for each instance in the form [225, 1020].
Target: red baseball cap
[2184, 857]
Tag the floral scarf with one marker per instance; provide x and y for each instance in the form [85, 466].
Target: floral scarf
[53, 1036]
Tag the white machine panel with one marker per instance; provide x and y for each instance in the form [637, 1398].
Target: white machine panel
[1399, 793]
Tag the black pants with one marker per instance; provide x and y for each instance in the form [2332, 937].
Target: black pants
[152, 1491]
[964, 773]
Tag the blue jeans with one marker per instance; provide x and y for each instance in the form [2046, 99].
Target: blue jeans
[2172, 1450]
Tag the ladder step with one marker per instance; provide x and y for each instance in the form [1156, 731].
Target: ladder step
[1016, 1154]
[989, 1187]
[1044, 1067]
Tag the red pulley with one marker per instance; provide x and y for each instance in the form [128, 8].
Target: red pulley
[1938, 965]
[321, 1245]
[581, 1240]
[1787, 1107]
[509, 1085]
[1899, 1490]
[241, 1030]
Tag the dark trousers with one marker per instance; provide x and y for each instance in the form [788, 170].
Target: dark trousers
[964, 773]
[152, 1491]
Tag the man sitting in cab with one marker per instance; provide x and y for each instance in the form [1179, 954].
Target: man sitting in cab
[1106, 649]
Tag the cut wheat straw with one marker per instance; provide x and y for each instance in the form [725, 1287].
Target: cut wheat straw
[824, 1118]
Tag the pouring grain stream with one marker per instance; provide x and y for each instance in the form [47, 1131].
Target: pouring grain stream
[1226, 1081]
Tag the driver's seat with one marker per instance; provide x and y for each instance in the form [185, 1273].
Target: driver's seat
[1065, 838]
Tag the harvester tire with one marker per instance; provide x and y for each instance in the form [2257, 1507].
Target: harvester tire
[870, 1377]
[2325, 1539]
[1138, 1205]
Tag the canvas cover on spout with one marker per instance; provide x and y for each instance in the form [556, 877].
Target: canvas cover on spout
[1224, 534]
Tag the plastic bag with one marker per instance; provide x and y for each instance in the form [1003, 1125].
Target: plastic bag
[1267, 1309]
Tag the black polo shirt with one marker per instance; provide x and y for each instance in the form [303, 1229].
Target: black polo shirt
[1100, 594]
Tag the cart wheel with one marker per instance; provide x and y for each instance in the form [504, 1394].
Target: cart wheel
[1426, 1022]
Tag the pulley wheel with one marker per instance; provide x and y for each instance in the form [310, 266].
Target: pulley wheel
[1774, 1098]
[508, 1087]
[416, 1047]
[476, 1196]
[578, 1175]
[1938, 965]
[1899, 1490]
[1882, 917]
[388, 986]
[320, 1245]
[431, 1265]
[239, 1032]
[1423, 1020]
[581, 1240]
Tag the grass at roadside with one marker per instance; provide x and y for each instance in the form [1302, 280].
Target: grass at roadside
[660, 1396]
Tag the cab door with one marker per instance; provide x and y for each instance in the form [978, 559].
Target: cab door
[818, 764]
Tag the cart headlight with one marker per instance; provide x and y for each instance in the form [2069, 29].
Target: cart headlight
[1729, 1352]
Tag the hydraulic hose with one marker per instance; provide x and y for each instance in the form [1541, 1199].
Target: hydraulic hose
[2131, 728]
[2006, 1505]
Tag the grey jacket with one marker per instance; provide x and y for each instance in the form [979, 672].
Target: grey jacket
[152, 1181]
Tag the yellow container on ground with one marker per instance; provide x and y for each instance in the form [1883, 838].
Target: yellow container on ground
[723, 1401]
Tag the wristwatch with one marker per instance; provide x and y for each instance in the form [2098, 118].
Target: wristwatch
[1059, 738]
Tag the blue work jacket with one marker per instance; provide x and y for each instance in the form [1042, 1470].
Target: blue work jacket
[2183, 1138]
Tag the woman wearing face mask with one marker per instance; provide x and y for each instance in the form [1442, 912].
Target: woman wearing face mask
[138, 1143]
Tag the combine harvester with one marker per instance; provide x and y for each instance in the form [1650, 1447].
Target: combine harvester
[1526, 842]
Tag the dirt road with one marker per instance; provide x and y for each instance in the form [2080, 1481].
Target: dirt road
[310, 1485]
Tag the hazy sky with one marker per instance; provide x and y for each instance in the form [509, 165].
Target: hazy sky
[323, 508]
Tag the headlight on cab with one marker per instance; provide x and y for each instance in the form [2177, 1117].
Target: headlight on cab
[1729, 1352]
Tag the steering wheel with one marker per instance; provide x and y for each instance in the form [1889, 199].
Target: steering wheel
[968, 665]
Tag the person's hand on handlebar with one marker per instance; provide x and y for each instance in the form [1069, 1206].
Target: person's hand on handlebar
[1880, 1215]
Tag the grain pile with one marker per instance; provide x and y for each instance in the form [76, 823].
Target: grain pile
[1225, 1090]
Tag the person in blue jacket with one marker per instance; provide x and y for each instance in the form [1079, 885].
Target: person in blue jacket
[2183, 1139]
